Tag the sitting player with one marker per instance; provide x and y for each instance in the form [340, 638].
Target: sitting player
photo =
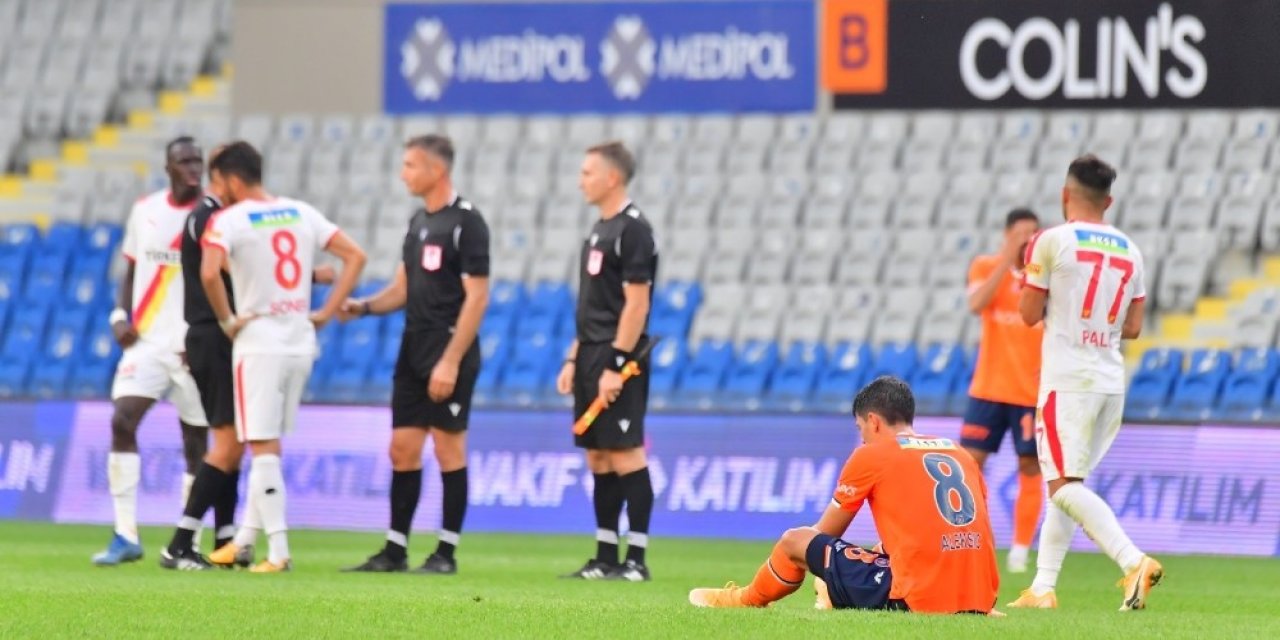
[929, 502]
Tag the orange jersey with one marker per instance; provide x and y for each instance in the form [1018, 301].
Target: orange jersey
[1008, 368]
[929, 502]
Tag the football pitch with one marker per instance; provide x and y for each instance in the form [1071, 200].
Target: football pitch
[507, 588]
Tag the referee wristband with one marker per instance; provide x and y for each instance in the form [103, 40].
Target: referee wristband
[365, 309]
[619, 360]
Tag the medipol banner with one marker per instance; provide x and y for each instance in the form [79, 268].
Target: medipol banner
[606, 57]
[1207, 489]
[1048, 53]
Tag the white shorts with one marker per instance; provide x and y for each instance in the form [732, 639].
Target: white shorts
[1074, 430]
[268, 392]
[148, 371]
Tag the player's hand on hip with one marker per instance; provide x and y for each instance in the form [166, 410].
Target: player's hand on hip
[564, 381]
[319, 319]
[236, 327]
[610, 386]
[444, 376]
[350, 309]
[126, 334]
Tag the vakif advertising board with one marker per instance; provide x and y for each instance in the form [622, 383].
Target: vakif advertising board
[602, 57]
[1042, 53]
[1176, 489]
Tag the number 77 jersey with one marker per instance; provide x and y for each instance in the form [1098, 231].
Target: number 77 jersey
[1091, 273]
[271, 246]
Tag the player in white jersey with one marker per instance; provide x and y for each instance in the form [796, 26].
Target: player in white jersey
[269, 245]
[1084, 279]
[149, 326]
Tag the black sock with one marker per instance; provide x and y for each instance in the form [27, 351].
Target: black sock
[608, 503]
[638, 490]
[406, 488]
[204, 490]
[455, 510]
[224, 508]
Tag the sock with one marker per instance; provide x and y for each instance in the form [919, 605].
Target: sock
[455, 510]
[406, 488]
[266, 483]
[248, 532]
[124, 470]
[224, 506]
[607, 499]
[1026, 509]
[1099, 522]
[1055, 540]
[776, 579]
[637, 487]
[205, 486]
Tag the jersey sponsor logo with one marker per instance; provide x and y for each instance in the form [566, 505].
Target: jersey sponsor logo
[1102, 242]
[1033, 269]
[432, 257]
[908, 442]
[843, 489]
[164, 257]
[595, 260]
[274, 218]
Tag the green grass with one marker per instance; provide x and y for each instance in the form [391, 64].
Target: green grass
[507, 588]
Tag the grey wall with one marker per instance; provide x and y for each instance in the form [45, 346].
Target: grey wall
[318, 56]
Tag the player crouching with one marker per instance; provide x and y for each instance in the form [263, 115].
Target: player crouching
[943, 564]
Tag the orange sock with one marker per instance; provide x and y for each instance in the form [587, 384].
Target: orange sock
[1027, 508]
[777, 578]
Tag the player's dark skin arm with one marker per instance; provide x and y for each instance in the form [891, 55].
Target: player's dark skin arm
[834, 521]
[126, 334]
[1133, 320]
[1031, 305]
[445, 374]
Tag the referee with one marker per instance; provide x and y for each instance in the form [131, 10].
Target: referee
[443, 282]
[619, 263]
[209, 359]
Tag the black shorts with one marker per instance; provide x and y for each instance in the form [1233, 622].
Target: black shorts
[856, 578]
[985, 423]
[209, 359]
[410, 404]
[621, 426]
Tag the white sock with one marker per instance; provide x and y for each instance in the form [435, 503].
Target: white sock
[251, 525]
[266, 483]
[1055, 540]
[124, 470]
[1099, 521]
[1018, 553]
[188, 480]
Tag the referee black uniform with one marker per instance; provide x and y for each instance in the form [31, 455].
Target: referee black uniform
[619, 251]
[208, 353]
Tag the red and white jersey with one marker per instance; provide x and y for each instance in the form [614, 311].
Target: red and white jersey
[1091, 273]
[153, 243]
[271, 246]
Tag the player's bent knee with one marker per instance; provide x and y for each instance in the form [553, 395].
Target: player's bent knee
[795, 542]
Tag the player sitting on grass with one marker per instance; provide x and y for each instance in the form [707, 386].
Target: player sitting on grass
[929, 503]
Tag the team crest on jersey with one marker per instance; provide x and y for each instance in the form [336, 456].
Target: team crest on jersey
[907, 442]
[595, 260]
[432, 257]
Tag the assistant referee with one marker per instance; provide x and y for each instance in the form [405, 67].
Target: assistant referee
[619, 263]
[443, 282]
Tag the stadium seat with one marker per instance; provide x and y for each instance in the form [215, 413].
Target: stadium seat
[934, 379]
[346, 383]
[844, 374]
[360, 341]
[897, 360]
[1196, 392]
[25, 336]
[529, 375]
[666, 361]
[1152, 383]
[705, 373]
[45, 280]
[745, 382]
[1247, 387]
[90, 380]
[796, 375]
[13, 377]
[49, 379]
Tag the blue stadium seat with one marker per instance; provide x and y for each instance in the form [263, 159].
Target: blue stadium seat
[319, 293]
[19, 240]
[704, 374]
[86, 286]
[360, 341]
[91, 380]
[26, 333]
[669, 326]
[346, 382]
[960, 386]
[530, 373]
[13, 377]
[1151, 384]
[46, 277]
[1245, 392]
[538, 322]
[505, 296]
[934, 379]
[329, 340]
[795, 377]
[495, 350]
[101, 239]
[63, 238]
[747, 377]
[1196, 392]
[898, 360]
[501, 321]
[394, 324]
[666, 360]
[674, 306]
[102, 347]
[317, 385]
[67, 335]
[549, 297]
[49, 379]
[13, 274]
[844, 374]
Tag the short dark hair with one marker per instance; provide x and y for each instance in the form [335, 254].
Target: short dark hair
[180, 140]
[238, 159]
[1018, 215]
[616, 154]
[434, 144]
[1093, 174]
[889, 397]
